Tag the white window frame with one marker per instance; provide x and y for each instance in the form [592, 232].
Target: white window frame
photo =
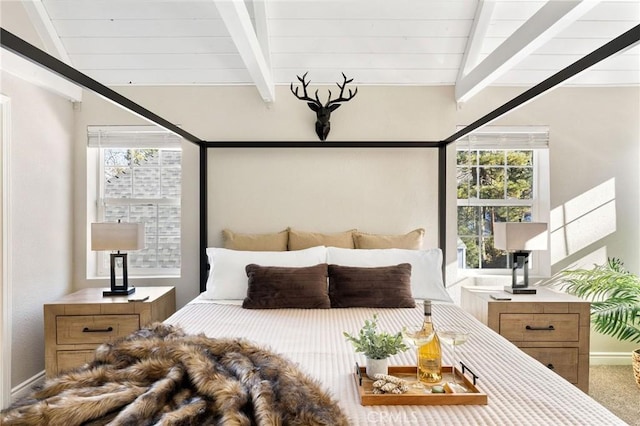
[534, 138]
[129, 137]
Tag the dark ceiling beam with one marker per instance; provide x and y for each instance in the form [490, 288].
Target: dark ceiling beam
[613, 47]
[28, 51]
[322, 144]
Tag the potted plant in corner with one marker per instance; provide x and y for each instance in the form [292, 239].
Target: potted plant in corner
[615, 306]
[377, 346]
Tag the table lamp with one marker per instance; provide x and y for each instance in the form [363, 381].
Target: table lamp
[111, 236]
[520, 238]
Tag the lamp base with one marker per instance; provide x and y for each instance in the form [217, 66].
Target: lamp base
[523, 290]
[119, 292]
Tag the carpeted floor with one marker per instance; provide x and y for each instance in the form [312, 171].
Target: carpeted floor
[614, 386]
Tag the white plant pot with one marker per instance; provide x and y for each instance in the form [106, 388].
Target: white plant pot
[377, 366]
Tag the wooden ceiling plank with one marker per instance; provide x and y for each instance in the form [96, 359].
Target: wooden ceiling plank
[552, 18]
[340, 61]
[181, 77]
[351, 27]
[150, 45]
[236, 18]
[90, 62]
[127, 10]
[141, 28]
[371, 9]
[371, 45]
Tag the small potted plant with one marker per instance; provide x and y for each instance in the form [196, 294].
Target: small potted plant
[615, 306]
[377, 346]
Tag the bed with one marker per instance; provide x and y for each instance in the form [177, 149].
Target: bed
[520, 390]
[278, 305]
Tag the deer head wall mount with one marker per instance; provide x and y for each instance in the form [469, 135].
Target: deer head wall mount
[323, 112]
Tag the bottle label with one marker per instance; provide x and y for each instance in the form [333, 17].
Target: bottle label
[427, 308]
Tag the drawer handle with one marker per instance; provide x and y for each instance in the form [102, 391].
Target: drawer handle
[550, 366]
[549, 328]
[97, 330]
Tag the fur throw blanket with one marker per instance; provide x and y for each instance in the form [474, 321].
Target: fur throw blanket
[162, 376]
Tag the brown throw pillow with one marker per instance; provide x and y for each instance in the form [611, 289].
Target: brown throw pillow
[300, 240]
[255, 242]
[276, 287]
[410, 241]
[378, 287]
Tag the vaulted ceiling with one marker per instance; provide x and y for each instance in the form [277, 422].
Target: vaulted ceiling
[467, 43]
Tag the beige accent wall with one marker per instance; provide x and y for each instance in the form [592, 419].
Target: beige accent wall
[387, 191]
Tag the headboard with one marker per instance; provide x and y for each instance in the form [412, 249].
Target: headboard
[324, 190]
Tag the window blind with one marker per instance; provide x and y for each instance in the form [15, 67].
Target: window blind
[506, 137]
[131, 137]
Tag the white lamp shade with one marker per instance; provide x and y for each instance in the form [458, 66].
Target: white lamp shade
[117, 236]
[526, 236]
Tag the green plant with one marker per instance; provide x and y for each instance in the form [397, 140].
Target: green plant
[615, 295]
[376, 344]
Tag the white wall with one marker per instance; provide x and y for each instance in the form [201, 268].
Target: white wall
[595, 191]
[41, 211]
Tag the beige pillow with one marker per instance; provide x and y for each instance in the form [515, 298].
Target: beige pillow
[300, 240]
[255, 242]
[411, 240]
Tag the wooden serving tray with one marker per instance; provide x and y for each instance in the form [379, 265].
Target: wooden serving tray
[417, 396]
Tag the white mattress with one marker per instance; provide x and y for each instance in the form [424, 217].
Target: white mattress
[520, 390]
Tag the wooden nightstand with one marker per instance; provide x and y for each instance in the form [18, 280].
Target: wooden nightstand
[552, 327]
[77, 324]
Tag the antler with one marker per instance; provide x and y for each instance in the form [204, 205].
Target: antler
[323, 112]
[306, 97]
[340, 98]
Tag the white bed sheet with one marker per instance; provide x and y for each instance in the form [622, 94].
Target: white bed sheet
[520, 390]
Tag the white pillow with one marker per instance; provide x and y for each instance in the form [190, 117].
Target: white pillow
[426, 267]
[228, 278]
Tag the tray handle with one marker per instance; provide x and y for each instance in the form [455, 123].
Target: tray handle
[474, 376]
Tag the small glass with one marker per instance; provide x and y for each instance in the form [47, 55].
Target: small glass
[454, 336]
[415, 336]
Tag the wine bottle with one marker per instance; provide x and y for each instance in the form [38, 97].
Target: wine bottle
[429, 354]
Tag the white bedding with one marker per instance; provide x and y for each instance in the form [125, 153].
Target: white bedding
[520, 390]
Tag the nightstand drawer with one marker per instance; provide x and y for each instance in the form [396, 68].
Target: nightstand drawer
[88, 329]
[563, 361]
[540, 327]
[68, 360]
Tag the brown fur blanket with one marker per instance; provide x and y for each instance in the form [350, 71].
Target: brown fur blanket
[162, 376]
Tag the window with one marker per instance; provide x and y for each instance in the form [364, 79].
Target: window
[139, 179]
[502, 176]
